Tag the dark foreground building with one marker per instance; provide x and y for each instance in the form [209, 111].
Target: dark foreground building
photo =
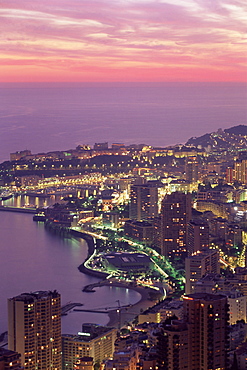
[9, 360]
[200, 341]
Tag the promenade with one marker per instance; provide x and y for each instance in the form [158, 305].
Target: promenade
[122, 315]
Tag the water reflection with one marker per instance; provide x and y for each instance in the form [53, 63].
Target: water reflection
[31, 201]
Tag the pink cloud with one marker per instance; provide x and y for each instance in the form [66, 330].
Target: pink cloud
[106, 38]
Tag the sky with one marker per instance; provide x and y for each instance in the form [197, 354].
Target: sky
[122, 40]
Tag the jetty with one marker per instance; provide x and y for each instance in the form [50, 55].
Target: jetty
[31, 210]
[69, 306]
[92, 311]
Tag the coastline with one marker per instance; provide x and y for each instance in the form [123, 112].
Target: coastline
[124, 315]
[121, 316]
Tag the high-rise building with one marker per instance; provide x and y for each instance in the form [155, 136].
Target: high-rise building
[198, 265]
[198, 236]
[175, 216]
[207, 318]
[192, 169]
[200, 340]
[143, 201]
[214, 283]
[34, 329]
[240, 171]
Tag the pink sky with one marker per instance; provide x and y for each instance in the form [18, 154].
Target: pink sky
[123, 40]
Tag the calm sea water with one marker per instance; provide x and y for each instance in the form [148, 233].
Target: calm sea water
[32, 259]
[46, 117]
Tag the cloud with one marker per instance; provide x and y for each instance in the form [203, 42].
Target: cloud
[74, 34]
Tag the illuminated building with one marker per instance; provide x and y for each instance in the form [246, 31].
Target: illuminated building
[126, 262]
[18, 155]
[175, 215]
[200, 340]
[139, 230]
[240, 171]
[192, 169]
[31, 180]
[198, 236]
[218, 227]
[218, 193]
[100, 146]
[9, 360]
[207, 318]
[84, 363]
[161, 311]
[143, 201]
[181, 185]
[110, 219]
[94, 341]
[213, 283]
[117, 146]
[237, 306]
[198, 265]
[230, 175]
[220, 209]
[124, 360]
[34, 329]
[233, 236]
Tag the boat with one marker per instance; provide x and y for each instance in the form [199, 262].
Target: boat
[39, 217]
[4, 195]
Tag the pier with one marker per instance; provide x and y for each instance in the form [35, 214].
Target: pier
[18, 209]
[69, 306]
[92, 311]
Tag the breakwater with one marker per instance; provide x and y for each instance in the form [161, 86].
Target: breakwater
[18, 209]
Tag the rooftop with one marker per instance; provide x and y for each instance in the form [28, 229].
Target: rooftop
[204, 296]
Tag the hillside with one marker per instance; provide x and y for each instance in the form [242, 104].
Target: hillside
[234, 137]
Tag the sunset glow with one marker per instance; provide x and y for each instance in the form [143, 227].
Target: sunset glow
[123, 40]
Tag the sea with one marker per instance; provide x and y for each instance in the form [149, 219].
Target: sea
[33, 259]
[46, 117]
